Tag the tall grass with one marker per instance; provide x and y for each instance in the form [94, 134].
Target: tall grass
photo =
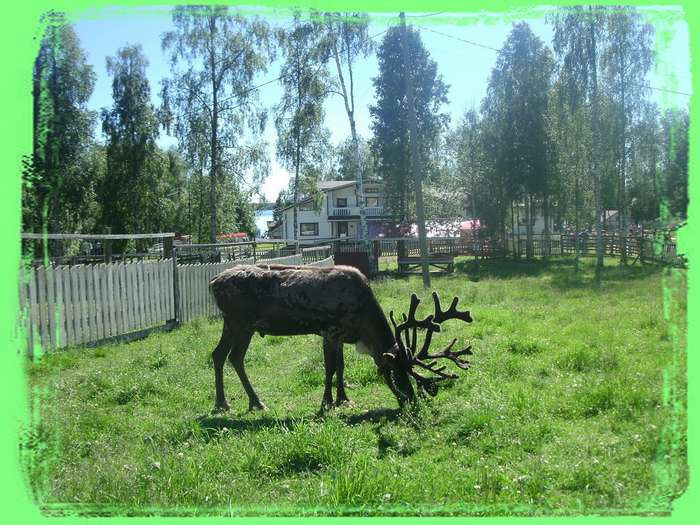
[574, 403]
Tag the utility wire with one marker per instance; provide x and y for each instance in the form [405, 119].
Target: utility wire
[423, 16]
[665, 90]
[249, 90]
[460, 39]
[494, 49]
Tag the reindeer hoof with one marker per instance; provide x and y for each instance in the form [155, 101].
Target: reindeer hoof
[344, 403]
[257, 406]
[222, 406]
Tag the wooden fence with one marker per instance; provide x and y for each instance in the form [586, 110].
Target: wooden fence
[64, 306]
[195, 299]
[72, 305]
[659, 248]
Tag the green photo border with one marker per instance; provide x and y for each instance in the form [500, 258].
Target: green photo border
[19, 41]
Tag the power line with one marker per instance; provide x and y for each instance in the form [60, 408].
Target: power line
[494, 49]
[423, 16]
[249, 90]
[460, 39]
[665, 90]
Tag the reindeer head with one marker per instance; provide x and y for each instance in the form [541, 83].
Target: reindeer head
[404, 359]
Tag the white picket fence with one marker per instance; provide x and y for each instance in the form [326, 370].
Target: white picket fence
[324, 263]
[195, 298]
[71, 305]
[64, 306]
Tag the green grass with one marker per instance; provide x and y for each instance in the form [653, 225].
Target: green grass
[568, 408]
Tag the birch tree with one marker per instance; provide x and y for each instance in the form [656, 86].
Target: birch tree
[302, 139]
[215, 55]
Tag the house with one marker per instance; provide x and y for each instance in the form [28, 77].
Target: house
[338, 215]
[537, 219]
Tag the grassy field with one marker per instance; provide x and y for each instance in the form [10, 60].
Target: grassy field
[575, 403]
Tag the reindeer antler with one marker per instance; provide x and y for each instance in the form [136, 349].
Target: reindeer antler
[411, 323]
[408, 330]
[440, 317]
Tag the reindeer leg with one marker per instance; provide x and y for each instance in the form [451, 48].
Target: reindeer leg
[219, 357]
[240, 347]
[329, 360]
[341, 397]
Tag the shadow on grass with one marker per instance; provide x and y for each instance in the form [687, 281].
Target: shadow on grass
[213, 425]
[562, 271]
[509, 268]
[377, 415]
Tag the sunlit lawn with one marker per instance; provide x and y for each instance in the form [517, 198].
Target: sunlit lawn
[563, 411]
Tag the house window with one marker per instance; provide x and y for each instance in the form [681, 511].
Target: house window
[308, 229]
[341, 203]
[372, 202]
[342, 229]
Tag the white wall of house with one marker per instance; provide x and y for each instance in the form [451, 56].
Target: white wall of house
[306, 217]
[537, 224]
[343, 193]
[372, 195]
[329, 207]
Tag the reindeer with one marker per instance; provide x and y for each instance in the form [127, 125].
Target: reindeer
[336, 303]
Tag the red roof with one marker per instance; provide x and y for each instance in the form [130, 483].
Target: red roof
[473, 224]
[238, 235]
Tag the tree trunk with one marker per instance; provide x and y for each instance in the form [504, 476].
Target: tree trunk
[512, 230]
[214, 140]
[597, 190]
[349, 101]
[545, 214]
[623, 161]
[577, 225]
[297, 160]
[415, 158]
[528, 228]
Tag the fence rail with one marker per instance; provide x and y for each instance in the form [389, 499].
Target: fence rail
[72, 305]
[86, 303]
[659, 248]
[63, 306]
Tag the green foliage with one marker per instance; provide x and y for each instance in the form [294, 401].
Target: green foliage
[674, 161]
[461, 182]
[389, 116]
[302, 141]
[210, 107]
[515, 129]
[133, 166]
[564, 408]
[344, 163]
[347, 40]
[58, 192]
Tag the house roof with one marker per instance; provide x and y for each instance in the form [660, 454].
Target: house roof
[328, 185]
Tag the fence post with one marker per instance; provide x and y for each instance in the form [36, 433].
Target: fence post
[376, 250]
[108, 246]
[255, 256]
[176, 289]
[167, 247]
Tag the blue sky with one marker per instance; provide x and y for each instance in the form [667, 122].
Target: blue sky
[464, 67]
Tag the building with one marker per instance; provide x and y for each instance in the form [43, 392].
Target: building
[339, 214]
[537, 219]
